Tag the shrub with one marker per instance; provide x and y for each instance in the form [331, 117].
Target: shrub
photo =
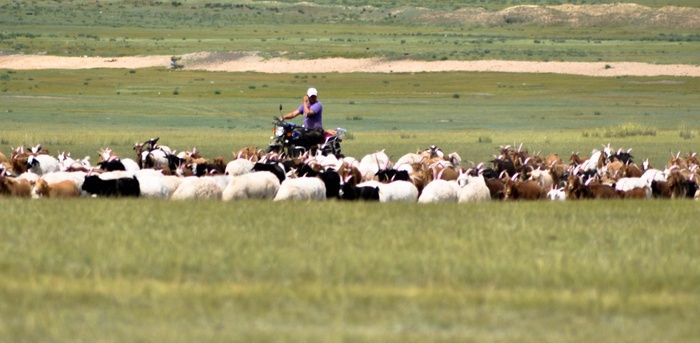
[688, 133]
[621, 131]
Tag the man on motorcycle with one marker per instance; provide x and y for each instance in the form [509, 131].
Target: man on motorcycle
[312, 110]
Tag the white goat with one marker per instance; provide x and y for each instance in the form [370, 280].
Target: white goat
[68, 163]
[473, 188]
[303, 188]
[543, 177]
[591, 163]
[556, 194]
[42, 164]
[655, 175]
[629, 183]
[257, 185]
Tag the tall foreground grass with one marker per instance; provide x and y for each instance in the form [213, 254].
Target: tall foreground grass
[137, 270]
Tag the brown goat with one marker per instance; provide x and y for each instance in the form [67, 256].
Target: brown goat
[61, 189]
[676, 184]
[496, 188]
[614, 170]
[250, 153]
[18, 160]
[660, 189]
[678, 161]
[576, 160]
[15, 188]
[523, 190]
[552, 159]
[593, 190]
[600, 190]
[633, 170]
[634, 193]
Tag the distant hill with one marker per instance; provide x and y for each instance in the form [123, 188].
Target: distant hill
[622, 14]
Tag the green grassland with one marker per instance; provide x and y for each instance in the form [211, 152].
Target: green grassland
[308, 30]
[139, 270]
[134, 270]
[82, 111]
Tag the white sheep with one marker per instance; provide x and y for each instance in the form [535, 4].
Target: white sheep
[472, 188]
[155, 185]
[116, 174]
[257, 185]
[407, 161]
[398, 191]
[440, 191]
[221, 180]
[197, 188]
[370, 164]
[130, 164]
[239, 166]
[303, 188]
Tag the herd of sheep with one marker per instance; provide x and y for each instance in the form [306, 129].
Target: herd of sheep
[427, 176]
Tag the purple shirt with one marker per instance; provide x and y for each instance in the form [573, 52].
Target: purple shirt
[314, 121]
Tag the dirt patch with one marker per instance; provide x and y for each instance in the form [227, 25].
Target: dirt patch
[242, 62]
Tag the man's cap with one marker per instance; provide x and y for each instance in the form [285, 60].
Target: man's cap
[312, 92]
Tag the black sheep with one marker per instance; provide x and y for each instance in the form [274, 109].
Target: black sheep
[122, 187]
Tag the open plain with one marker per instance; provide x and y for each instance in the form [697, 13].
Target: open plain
[468, 76]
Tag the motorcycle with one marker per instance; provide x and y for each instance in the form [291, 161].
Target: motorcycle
[287, 139]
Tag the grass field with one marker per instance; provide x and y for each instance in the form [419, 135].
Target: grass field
[137, 270]
[83, 111]
[100, 270]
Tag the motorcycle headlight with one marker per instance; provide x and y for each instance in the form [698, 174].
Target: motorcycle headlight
[279, 131]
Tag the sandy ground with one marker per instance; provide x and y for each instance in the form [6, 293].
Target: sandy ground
[212, 62]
